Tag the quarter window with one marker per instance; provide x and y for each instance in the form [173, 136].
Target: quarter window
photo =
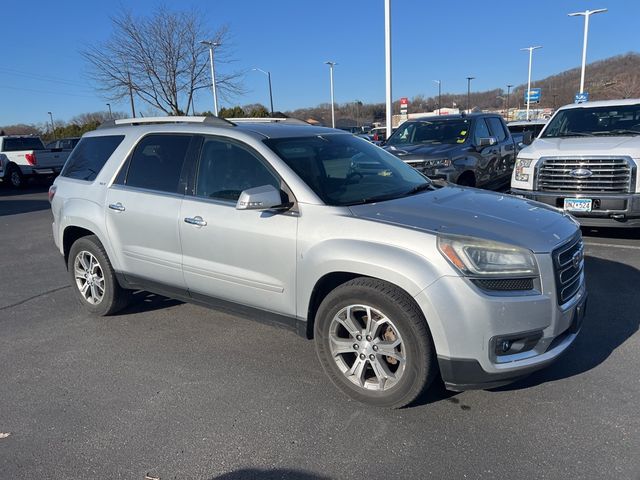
[89, 156]
[226, 169]
[157, 162]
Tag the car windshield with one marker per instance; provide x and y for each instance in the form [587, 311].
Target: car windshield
[595, 121]
[346, 170]
[431, 131]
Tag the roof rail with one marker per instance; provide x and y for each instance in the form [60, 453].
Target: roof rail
[290, 121]
[206, 120]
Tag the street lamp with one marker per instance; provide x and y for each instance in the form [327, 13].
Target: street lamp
[530, 49]
[53, 127]
[211, 46]
[333, 112]
[469, 93]
[508, 98]
[439, 94]
[268, 74]
[586, 14]
[110, 114]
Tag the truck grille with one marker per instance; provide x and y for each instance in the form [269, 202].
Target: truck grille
[568, 264]
[604, 174]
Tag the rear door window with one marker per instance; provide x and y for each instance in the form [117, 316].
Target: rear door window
[22, 143]
[89, 156]
[157, 161]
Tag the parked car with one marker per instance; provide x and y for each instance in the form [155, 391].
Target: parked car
[396, 279]
[586, 161]
[474, 150]
[63, 143]
[22, 157]
[378, 135]
[525, 131]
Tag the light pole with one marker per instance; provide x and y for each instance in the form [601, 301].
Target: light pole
[333, 112]
[469, 93]
[439, 94]
[268, 74]
[110, 114]
[508, 98]
[531, 49]
[211, 46]
[586, 14]
[53, 127]
[387, 64]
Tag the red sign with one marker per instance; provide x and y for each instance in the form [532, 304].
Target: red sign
[404, 101]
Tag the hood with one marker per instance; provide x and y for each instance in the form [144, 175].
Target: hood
[613, 145]
[476, 213]
[419, 150]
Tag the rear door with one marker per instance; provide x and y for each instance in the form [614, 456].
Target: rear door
[143, 209]
[243, 256]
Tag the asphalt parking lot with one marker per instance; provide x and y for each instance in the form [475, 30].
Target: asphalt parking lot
[172, 390]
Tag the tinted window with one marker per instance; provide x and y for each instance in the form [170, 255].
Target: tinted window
[496, 128]
[431, 132]
[592, 121]
[157, 162]
[481, 131]
[346, 170]
[89, 156]
[226, 169]
[22, 143]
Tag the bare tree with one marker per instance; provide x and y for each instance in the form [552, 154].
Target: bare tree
[161, 60]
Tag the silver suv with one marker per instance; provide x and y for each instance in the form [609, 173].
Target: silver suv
[397, 279]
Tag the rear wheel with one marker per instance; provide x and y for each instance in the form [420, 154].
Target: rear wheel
[374, 344]
[15, 177]
[93, 278]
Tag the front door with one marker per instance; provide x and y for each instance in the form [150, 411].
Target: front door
[243, 256]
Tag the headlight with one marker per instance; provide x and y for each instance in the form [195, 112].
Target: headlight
[443, 162]
[477, 257]
[521, 164]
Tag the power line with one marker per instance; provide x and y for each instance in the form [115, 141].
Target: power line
[47, 91]
[37, 76]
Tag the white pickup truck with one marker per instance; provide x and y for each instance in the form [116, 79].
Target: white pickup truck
[585, 161]
[22, 157]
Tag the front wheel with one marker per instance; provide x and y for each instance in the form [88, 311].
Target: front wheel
[93, 279]
[373, 342]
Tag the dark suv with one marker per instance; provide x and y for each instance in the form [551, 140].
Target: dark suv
[475, 150]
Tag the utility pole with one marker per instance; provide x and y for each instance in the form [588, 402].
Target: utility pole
[586, 14]
[387, 64]
[554, 100]
[439, 95]
[53, 127]
[530, 49]
[469, 93]
[211, 46]
[508, 98]
[110, 114]
[133, 107]
[268, 74]
[333, 109]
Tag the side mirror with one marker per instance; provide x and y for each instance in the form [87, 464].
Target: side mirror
[527, 138]
[264, 197]
[486, 142]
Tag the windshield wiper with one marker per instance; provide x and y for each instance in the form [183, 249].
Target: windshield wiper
[420, 188]
[575, 134]
[619, 131]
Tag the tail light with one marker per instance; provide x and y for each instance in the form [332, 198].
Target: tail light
[30, 158]
[375, 137]
[52, 192]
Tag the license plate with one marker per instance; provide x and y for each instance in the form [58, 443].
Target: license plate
[578, 204]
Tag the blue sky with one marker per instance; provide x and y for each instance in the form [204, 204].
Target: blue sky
[43, 71]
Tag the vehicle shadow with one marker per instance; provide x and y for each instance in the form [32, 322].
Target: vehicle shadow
[612, 317]
[15, 207]
[142, 301]
[618, 233]
[275, 474]
[37, 185]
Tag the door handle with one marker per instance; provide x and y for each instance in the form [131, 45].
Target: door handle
[118, 207]
[198, 221]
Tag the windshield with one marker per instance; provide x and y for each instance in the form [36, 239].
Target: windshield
[346, 170]
[594, 121]
[431, 131]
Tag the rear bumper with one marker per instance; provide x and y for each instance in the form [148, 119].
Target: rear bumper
[613, 210]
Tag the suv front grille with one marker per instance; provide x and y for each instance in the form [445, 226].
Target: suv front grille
[604, 174]
[568, 264]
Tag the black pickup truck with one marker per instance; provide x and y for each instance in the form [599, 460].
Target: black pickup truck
[475, 150]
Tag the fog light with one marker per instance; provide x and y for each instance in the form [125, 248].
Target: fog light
[517, 343]
[505, 345]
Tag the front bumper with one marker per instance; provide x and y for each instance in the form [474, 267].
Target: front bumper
[467, 323]
[609, 210]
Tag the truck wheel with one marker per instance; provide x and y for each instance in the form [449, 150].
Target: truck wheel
[15, 177]
[374, 344]
[466, 180]
[93, 279]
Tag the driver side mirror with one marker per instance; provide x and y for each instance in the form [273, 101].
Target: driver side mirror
[264, 197]
[527, 138]
[486, 142]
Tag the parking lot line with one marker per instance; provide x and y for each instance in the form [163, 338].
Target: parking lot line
[632, 247]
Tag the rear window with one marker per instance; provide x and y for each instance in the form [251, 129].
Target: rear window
[89, 156]
[24, 143]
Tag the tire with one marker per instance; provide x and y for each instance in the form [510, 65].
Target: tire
[466, 180]
[15, 178]
[100, 293]
[400, 329]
